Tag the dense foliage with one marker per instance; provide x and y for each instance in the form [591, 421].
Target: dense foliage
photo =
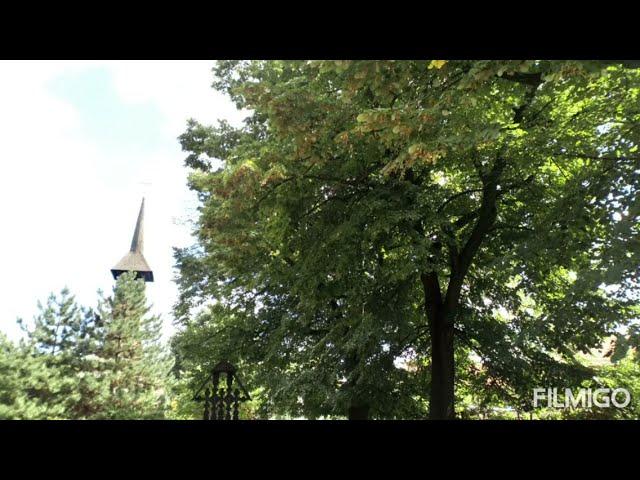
[135, 362]
[77, 363]
[379, 239]
[381, 233]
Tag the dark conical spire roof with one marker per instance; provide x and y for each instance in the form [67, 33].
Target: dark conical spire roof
[137, 242]
[134, 261]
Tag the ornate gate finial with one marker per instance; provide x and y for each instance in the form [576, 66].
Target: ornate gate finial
[222, 403]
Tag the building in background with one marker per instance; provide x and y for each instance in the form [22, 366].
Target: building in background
[134, 260]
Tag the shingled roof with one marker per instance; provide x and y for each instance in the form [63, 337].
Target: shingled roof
[134, 260]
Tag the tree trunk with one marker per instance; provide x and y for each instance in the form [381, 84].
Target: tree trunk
[358, 406]
[441, 401]
[441, 308]
[440, 317]
[358, 412]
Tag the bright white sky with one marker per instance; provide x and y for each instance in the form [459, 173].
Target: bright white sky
[77, 141]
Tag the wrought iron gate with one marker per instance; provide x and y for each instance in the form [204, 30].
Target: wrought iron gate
[222, 400]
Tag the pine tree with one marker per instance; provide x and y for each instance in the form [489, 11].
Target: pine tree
[135, 362]
[64, 341]
[56, 325]
[27, 384]
[76, 363]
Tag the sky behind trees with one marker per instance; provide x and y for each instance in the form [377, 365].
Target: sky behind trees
[81, 142]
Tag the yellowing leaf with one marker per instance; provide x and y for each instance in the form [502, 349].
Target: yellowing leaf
[437, 64]
[413, 149]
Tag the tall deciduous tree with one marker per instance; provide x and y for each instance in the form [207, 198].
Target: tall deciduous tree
[371, 208]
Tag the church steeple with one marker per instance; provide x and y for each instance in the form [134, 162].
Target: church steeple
[137, 242]
[134, 261]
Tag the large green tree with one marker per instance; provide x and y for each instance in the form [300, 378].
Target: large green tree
[55, 372]
[28, 385]
[135, 363]
[77, 363]
[372, 209]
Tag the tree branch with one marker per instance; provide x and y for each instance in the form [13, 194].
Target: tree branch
[486, 216]
[531, 79]
[514, 227]
[457, 195]
[487, 212]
